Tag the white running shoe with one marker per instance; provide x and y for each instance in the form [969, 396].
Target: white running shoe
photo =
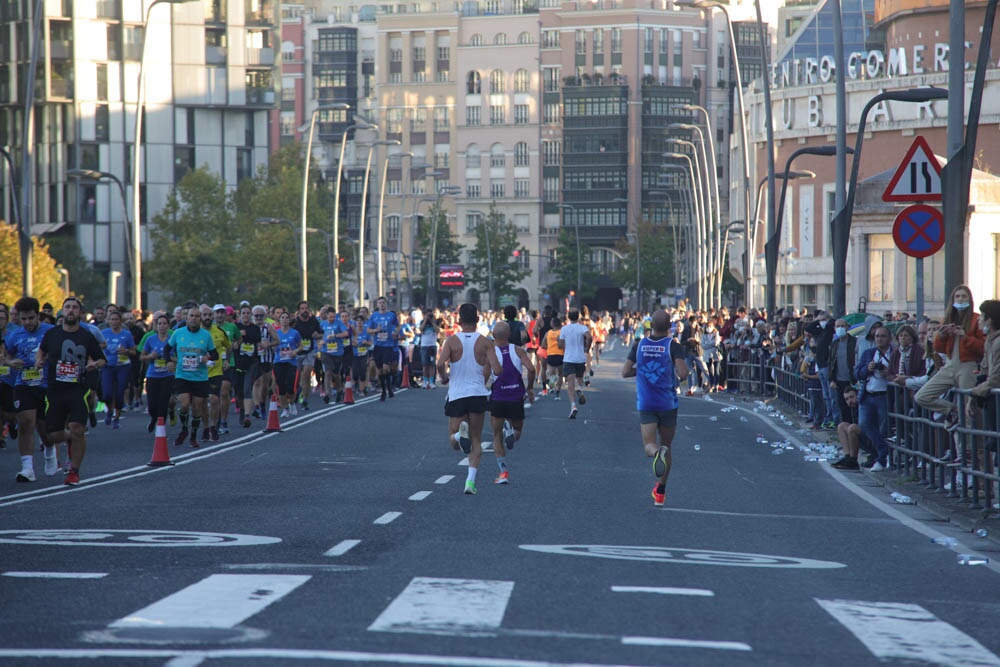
[509, 435]
[463, 438]
[292, 409]
[51, 462]
[26, 475]
[283, 414]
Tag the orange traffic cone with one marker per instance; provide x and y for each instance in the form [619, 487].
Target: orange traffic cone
[273, 425]
[406, 375]
[349, 393]
[161, 453]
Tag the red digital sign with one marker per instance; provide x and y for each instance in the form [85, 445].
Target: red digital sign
[451, 276]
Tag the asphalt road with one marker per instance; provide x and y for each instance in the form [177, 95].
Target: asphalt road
[346, 539]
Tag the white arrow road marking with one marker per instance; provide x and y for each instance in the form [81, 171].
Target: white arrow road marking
[900, 631]
[217, 601]
[447, 607]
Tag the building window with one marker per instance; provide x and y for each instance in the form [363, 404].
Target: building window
[551, 152]
[598, 41]
[244, 164]
[524, 37]
[395, 77]
[473, 83]
[497, 157]
[472, 116]
[419, 54]
[473, 158]
[552, 114]
[550, 189]
[496, 114]
[442, 122]
[522, 188]
[648, 40]
[418, 123]
[521, 114]
[581, 42]
[101, 130]
[496, 189]
[881, 267]
[394, 187]
[616, 40]
[472, 222]
[394, 121]
[550, 39]
[392, 227]
[521, 158]
[441, 160]
[287, 123]
[444, 53]
[472, 189]
[418, 187]
[551, 77]
[183, 162]
[500, 39]
[420, 76]
[476, 40]
[396, 55]
[521, 81]
[441, 76]
[496, 81]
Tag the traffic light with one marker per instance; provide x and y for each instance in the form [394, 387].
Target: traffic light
[517, 253]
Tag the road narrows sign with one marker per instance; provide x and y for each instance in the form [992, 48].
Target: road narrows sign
[918, 177]
[919, 231]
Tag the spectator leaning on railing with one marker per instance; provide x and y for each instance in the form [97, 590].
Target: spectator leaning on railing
[843, 355]
[989, 324]
[907, 359]
[821, 330]
[961, 339]
[873, 414]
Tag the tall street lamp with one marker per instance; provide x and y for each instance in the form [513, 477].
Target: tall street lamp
[673, 228]
[579, 256]
[136, 161]
[751, 232]
[336, 209]
[706, 215]
[699, 241]
[131, 259]
[688, 205]
[364, 212]
[381, 208]
[841, 223]
[771, 247]
[14, 209]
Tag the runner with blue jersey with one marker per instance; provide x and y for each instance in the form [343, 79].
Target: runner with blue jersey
[384, 326]
[286, 364]
[334, 335]
[192, 349]
[29, 387]
[159, 371]
[7, 377]
[657, 363]
[115, 374]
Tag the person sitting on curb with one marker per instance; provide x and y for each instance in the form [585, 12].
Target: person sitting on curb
[852, 439]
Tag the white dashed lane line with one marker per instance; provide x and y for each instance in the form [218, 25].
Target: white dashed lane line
[444, 479]
[342, 547]
[420, 495]
[388, 517]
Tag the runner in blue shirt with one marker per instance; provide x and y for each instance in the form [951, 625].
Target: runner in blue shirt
[334, 335]
[115, 375]
[384, 326]
[363, 342]
[286, 364]
[29, 388]
[192, 350]
[159, 371]
[7, 377]
[657, 362]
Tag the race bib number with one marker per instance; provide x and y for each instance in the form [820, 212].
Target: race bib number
[222, 356]
[123, 358]
[190, 363]
[67, 371]
[31, 375]
[304, 345]
[362, 350]
[332, 346]
[287, 354]
[160, 363]
[4, 370]
[247, 348]
[382, 335]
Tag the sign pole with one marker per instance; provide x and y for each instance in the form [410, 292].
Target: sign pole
[920, 289]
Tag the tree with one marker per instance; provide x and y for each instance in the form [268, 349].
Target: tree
[44, 277]
[493, 257]
[84, 281]
[565, 268]
[447, 249]
[193, 241]
[654, 250]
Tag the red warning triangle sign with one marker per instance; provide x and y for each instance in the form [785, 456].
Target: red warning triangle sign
[918, 177]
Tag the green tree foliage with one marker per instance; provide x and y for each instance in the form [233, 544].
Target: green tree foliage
[654, 250]
[46, 285]
[85, 282]
[447, 250]
[565, 268]
[193, 240]
[493, 255]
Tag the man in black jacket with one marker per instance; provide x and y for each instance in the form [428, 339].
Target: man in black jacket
[822, 333]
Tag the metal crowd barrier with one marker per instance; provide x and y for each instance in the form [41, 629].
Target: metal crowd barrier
[748, 371]
[964, 463]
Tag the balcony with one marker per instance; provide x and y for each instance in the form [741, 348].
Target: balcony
[215, 55]
[259, 96]
[260, 57]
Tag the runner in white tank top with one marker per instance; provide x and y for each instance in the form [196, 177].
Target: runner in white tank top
[464, 358]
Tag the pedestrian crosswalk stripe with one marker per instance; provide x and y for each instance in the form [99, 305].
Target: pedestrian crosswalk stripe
[900, 631]
[342, 547]
[447, 607]
[663, 590]
[217, 601]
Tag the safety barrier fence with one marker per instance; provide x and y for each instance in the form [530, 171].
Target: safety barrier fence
[964, 463]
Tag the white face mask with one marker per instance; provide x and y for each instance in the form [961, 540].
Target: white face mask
[960, 306]
[984, 325]
[841, 331]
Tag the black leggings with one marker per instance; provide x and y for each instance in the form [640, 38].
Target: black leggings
[158, 392]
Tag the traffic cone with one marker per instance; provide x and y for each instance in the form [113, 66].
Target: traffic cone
[161, 453]
[348, 393]
[273, 425]
[406, 375]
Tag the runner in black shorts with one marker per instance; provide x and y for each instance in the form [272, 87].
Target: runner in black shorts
[507, 396]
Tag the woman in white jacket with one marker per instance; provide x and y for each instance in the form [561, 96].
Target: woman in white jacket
[711, 354]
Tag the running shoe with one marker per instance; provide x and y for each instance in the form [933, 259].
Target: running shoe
[107, 418]
[509, 437]
[206, 433]
[256, 412]
[181, 438]
[658, 497]
[93, 420]
[151, 426]
[545, 391]
[470, 488]
[580, 397]
[284, 414]
[194, 440]
[214, 434]
[51, 462]
[391, 394]
[557, 395]
[465, 443]
[572, 413]
[660, 461]
[173, 418]
[292, 409]
[116, 424]
[502, 478]
[305, 405]
[72, 478]
[383, 395]
[326, 399]
[591, 371]
[246, 422]
[586, 381]
[223, 426]
[26, 475]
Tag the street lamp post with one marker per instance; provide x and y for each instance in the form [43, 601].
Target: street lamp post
[364, 212]
[841, 224]
[698, 227]
[706, 219]
[771, 247]
[336, 213]
[95, 175]
[579, 256]
[673, 227]
[303, 264]
[381, 208]
[137, 163]
[751, 232]
[445, 190]
[687, 202]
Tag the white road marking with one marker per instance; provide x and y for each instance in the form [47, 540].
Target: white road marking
[342, 547]
[55, 575]
[471, 607]
[663, 591]
[444, 479]
[685, 643]
[900, 631]
[464, 462]
[268, 656]
[217, 601]
[420, 495]
[388, 517]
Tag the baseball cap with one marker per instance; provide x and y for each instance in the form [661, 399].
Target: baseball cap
[218, 306]
[244, 303]
[230, 310]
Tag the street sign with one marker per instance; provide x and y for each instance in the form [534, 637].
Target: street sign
[918, 177]
[919, 231]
